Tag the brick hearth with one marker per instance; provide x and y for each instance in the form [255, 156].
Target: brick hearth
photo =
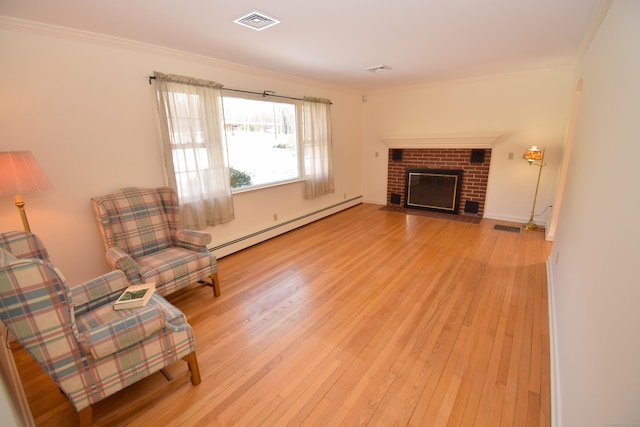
[474, 178]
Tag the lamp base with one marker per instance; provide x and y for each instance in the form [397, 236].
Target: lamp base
[531, 226]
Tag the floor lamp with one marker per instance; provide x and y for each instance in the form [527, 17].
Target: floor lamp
[532, 155]
[21, 173]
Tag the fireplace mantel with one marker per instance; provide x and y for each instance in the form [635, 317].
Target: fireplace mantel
[451, 140]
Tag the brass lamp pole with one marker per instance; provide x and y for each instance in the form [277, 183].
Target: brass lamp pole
[23, 214]
[532, 155]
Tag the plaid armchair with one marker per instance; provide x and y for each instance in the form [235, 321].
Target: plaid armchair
[89, 349]
[141, 234]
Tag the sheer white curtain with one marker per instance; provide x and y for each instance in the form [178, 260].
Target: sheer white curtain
[194, 149]
[316, 136]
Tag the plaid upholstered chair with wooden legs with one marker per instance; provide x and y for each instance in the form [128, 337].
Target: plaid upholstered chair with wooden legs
[90, 350]
[141, 233]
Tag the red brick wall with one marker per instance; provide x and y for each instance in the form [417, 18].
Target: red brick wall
[474, 177]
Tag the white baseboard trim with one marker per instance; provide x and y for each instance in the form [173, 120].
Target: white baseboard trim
[375, 202]
[556, 419]
[509, 218]
[227, 248]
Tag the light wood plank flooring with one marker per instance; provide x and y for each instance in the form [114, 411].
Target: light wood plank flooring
[363, 318]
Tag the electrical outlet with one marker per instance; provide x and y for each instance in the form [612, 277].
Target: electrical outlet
[345, 196]
[275, 217]
[510, 156]
[377, 154]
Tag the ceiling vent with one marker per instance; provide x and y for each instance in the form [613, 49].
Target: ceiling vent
[257, 21]
[378, 68]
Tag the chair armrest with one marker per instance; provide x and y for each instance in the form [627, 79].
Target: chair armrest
[128, 328]
[192, 239]
[120, 260]
[98, 291]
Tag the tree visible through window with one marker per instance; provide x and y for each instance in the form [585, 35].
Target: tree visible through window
[262, 141]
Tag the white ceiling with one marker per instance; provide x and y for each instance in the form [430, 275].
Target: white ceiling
[333, 41]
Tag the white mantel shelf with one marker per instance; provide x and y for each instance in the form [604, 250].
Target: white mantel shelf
[460, 140]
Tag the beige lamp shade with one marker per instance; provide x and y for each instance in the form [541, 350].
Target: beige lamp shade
[21, 173]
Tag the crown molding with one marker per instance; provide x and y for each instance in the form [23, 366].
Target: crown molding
[80, 35]
[594, 26]
[451, 140]
[10, 23]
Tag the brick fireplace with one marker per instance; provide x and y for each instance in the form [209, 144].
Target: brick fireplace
[473, 162]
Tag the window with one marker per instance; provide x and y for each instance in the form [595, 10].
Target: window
[262, 141]
[213, 144]
[190, 113]
[189, 150]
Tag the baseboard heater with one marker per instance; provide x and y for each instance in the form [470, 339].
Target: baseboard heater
[283, 224]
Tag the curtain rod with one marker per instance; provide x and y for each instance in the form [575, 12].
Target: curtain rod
[264, 93]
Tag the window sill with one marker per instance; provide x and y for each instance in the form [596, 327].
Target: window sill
[265, 186]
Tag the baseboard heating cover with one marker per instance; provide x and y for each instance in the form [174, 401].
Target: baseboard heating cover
[282, 227]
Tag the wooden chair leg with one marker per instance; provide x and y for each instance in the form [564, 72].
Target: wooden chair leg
[216, 284]
[86, 416]
[192, 363]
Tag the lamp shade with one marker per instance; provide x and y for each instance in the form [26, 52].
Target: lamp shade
[532, 154]
[21, 173]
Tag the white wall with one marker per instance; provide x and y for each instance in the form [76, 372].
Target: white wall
[526, 109]
[594, 284]
[81, 103]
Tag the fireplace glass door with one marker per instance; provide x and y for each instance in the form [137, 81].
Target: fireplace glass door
[433, 189]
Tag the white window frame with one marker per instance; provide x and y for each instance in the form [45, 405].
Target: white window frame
[299, 147]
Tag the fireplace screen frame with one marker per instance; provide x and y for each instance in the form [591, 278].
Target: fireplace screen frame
[452, 208]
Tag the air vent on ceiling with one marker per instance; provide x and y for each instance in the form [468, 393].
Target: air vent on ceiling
[378, 68]
[257, 21]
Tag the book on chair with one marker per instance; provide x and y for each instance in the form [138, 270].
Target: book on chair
[135, 296]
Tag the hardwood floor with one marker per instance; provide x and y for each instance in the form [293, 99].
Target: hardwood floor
[363, 318]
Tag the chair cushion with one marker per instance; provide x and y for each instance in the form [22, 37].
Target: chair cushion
[168, 264]
[138, 221]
